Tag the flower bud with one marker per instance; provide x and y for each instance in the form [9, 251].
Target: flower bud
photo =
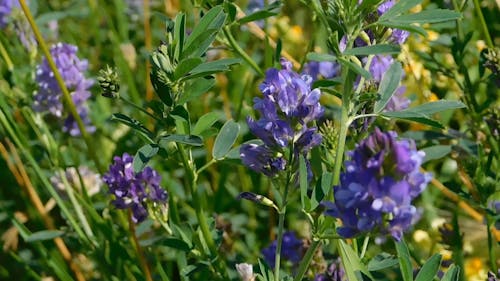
[257, 199]
[109, 82]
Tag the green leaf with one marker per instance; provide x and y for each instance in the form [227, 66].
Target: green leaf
[303, 183]
[404, 260]
[182, 120]
[179, 34]
[195, 88]
[231, 9]
[373, 50]
[143, 155]
[204, 33]
[388, 86]
[437, 106]
[225, 139]
[352, 264]
[185, 66]
[176, 243]
[428, 16]
[257, 16]
[414, 117]
[209, 68]
[321, 57]
[436, 152]
[421, 113]
[429, 269]
[404, 26]
[323, 186]
[453, 274]
[382, 261]
[184, 139]
[132, 123]
[356, 68]
[206, 121]
[43, 235]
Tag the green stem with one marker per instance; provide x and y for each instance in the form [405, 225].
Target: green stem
[491, 246]
[204, 167]
[277, 259]
[139, 108]
[138, 249]
[65, 93]
[477, 7]
[205, 229]
[6, 57]
[348, 78]
[306, 260]
[365, 246]
[281, 219]
[236, 47]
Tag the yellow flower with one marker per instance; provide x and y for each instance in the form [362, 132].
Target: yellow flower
[474, 270]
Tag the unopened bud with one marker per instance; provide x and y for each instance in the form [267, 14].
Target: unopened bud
[109, 82]
[257, 199]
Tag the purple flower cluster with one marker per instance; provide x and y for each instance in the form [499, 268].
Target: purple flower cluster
[5, 11]
[134, 190]
[321, 69]
[334, 272]
[287, 107]
[48, 98]
[381, 179]
[292, 249]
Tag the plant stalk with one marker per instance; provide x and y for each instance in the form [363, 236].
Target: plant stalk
[6, 57]
[306, 260]
[205, 229]
[236, 47]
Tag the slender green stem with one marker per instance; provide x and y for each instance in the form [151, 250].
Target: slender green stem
[281, 217]
[491, 246]
[66, 95]
[348, 77]
[139, 108]
[306, 260]
[6, 57]
[236, 47]
[365, 246]
[350, 120]
[477, 7]
[277, 258]
[205, 229]
[204, 167]
[138, 248]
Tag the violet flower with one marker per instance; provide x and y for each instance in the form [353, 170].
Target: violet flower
[321, 69]
[137, 191]
[5, 11]
[287, 108]
[376, 190]
[292, 249]
[334, 272]
[48, 98]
